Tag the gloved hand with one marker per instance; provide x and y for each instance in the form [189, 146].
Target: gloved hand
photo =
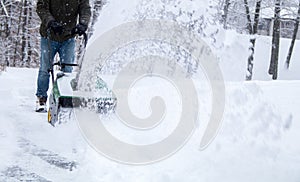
[80, 29]
[56, 27]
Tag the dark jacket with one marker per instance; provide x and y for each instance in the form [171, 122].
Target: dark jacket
[65, 12]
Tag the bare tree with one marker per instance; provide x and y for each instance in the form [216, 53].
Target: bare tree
[226, 7]
[20, 44]
[296, 27]
[4, 32]
[252, 31]
[273, 69]
[16, 57]
[29, 42]
[24, 48]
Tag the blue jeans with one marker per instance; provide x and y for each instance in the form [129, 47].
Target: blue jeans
[66, 51]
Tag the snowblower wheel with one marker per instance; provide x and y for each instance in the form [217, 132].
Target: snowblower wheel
[49, 116]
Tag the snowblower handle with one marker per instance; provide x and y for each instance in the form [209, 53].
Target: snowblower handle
[65, 64]
[50, 69]
[85, 37]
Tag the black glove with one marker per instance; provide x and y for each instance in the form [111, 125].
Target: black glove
[80, 29]
[56, 27]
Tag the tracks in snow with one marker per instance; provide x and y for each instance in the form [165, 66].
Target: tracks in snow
[34, 162]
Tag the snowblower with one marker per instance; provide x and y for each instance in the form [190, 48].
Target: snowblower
[65, 94]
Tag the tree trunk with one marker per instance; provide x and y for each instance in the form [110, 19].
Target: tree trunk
[296, 27]
[227, 3]
[18, 33]
[24, 48]
[29, 36]
[4, 32]
[273, 69]
[253, 32]
[249, 22]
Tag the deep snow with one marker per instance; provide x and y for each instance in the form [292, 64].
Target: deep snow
[258, 139]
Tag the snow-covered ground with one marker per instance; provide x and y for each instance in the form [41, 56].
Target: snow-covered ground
[258, 139]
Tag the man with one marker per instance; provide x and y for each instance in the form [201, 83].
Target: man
[59, 19]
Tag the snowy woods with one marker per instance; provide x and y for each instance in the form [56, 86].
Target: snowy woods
[19, 34]
[277, 18]
[19, 30]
